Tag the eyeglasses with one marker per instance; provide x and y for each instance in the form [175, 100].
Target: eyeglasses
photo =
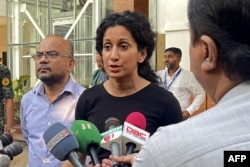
[51, 55]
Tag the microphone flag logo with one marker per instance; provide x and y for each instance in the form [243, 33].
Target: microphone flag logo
[57, 138]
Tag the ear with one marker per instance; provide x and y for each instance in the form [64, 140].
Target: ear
[71, 64]
[210, 50]
[179, 58]
[142, 55]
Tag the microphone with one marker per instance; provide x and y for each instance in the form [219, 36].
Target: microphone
[134, 134]
[4, 160]
[88, 137]
[137, 119]
[112, 139]
[12, 149]
[5, 139]
[62, 144]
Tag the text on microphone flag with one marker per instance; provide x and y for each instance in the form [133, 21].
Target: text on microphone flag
[111, 134]
[57, 138]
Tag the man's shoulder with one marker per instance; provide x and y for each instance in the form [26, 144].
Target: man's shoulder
[186, 71]
[4, 68]
[30, 92]
[74, 86]
[160, 72]
[78, 88]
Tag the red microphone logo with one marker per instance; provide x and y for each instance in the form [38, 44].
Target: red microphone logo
[108, 137]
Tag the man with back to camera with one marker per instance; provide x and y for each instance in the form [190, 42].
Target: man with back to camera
[181, 82]
[220, 60]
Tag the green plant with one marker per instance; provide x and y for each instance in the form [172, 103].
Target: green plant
[19, 87]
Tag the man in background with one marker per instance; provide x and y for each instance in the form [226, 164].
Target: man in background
[181, 82]
[6, 101]
[52, 100]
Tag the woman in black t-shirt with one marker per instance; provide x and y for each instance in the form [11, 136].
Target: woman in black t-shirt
[126, 43]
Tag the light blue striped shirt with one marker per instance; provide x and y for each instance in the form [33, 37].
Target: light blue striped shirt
[37, 114]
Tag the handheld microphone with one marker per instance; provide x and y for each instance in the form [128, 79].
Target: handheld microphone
[12, 149]
[62, 144]
[112, 139]
[134, 135]
[88, 137]
[4, 160]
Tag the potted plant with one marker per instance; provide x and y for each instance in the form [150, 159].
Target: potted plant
[19, 87]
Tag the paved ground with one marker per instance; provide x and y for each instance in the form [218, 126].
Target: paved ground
[21, 159]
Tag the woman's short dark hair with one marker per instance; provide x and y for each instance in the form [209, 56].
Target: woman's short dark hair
[227, 22]
[140, 29]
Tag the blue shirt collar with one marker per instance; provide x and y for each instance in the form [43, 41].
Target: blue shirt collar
[69, 87]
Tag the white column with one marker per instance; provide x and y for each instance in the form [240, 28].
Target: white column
[16, 29]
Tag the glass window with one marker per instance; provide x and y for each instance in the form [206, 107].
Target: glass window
[29, 21]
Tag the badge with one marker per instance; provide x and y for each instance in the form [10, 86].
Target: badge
[5, 81]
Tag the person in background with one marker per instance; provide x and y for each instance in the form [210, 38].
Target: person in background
[53, 100]
[126, 43]
[6, 101]
[100, 74]
[181, 82]
[220, 60]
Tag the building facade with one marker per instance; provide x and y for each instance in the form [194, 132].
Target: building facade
[29, 21]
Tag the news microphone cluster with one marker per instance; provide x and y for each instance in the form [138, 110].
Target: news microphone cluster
[124, 139]
[124, 135]
[8, 147]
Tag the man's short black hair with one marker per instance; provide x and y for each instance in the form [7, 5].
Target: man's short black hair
[175, 50]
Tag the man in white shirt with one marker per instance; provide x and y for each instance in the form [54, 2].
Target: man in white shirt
[181, 82]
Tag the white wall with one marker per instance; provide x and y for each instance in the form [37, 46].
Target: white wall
[172, 21]
[2, 7]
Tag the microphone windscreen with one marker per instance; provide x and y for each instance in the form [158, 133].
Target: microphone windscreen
[87, 135]
[137, 119]
[6, 139]
[59, 141]
[13, 149]
[112, 122]
[4, 160]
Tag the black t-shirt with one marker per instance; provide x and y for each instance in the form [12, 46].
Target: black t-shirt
[159, 107]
